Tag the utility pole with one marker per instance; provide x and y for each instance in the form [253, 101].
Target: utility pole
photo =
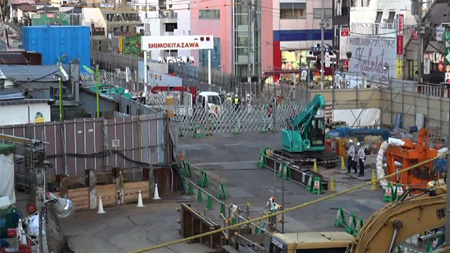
[322, 44]
[249, 42]
[420, 42]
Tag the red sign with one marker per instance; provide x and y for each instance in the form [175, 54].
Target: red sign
[345, 32]
[400, 19]
[346, 63]
[400, 45]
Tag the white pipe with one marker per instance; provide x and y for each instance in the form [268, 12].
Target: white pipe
[379, 161]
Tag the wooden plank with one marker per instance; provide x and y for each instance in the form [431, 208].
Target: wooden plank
[108, 194]
[131, 191]
[80, 198]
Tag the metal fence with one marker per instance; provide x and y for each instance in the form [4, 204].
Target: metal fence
[100, 144]
[247, 117]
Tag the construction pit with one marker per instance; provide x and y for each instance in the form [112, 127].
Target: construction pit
[215, 198]
[230, 161]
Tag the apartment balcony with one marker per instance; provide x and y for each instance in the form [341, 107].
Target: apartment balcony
[168, 16]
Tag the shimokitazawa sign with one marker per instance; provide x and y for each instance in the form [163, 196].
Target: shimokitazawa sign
[190, 42]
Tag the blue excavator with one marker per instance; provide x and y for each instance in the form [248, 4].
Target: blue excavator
[306, 141]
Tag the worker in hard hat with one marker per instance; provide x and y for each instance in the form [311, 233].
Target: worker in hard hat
[271, 205]
[229, 98]
[361, 158]
[351, 153]
[237, 102]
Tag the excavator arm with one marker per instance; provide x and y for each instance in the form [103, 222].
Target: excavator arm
[396, 222]
[305, 117]
[304, 136]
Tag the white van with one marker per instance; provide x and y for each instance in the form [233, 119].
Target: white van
[210, 101]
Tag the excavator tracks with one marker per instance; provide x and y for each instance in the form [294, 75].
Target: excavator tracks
[325, 158]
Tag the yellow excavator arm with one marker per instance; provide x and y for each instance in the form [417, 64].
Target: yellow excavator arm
[396, 222]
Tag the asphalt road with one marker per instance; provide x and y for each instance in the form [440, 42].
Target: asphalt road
[230, 159]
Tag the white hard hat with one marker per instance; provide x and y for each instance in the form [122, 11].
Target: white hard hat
[358, 144]
[236, 95]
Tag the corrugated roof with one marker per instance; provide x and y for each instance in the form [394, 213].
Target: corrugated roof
[36, 73]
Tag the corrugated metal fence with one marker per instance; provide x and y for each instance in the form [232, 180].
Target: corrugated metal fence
[101, 144]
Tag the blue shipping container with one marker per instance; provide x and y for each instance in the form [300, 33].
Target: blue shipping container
[54, 41]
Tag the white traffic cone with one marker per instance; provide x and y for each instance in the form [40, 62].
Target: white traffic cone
[100, 206]
[156, 195]
[140, 204]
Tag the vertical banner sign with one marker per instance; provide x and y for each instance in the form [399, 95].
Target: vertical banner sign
[400, 19]
[344, 43]
[120, 44]
[399, 68]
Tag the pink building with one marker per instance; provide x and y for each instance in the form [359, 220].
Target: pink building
[282, 33]
[215, 17]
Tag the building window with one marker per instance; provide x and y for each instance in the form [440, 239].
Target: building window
[379, 16]
[292, 10]
[209, 14]
[391, 17]
[317, 13]
[170, 27]
[215, 55]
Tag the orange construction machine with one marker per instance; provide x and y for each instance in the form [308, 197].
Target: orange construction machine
[408, 155]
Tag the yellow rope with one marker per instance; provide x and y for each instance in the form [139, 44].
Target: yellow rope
[286, 210]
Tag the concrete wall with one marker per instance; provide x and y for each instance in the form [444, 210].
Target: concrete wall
[392, 102]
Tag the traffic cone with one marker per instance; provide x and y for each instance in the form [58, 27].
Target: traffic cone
[374, 181]
[140, 203]
[315, 169]
[209, 203]
[100, 206]
[342, 163]
[156, 195]
[332, 184]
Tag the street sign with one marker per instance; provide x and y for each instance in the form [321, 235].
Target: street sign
[446, 36]
[426, 66]
[327, 60]
[304, 75]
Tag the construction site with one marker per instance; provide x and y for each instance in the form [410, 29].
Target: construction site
[287, 170]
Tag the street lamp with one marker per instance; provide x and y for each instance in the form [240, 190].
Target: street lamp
[59, 76]
[91, 71]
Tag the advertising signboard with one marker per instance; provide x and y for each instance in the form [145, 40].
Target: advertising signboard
[374, 57]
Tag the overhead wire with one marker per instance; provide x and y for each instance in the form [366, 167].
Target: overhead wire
[187, 239]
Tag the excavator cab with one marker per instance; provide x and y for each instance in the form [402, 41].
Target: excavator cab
[317, 132]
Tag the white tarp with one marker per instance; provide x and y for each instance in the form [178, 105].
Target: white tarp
[358, 117]
[7, 177]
